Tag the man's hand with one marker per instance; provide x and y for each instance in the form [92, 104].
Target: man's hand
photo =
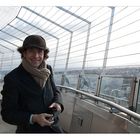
[43, 119]
[56, 106]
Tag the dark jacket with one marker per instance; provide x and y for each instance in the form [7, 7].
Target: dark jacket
[22, 96]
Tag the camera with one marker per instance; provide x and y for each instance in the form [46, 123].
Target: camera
[55, 114]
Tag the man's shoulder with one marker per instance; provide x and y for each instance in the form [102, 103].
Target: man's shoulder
[13, 73]
[49, 66]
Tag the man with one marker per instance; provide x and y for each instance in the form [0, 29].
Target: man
[30, 98]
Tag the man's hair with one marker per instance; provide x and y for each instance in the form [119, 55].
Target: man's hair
[45, 53]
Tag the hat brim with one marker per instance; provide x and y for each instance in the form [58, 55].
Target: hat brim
[21, 49]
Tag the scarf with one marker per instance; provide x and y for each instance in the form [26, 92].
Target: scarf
[40, 74]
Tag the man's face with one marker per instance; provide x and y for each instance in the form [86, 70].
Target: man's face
[34, 56]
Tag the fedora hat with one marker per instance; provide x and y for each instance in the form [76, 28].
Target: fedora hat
[33, 41]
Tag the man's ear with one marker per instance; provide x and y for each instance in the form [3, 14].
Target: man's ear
[24, 53]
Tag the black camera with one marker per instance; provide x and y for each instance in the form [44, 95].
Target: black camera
[54, 112]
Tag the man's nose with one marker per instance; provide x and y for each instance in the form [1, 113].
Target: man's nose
[36, 54]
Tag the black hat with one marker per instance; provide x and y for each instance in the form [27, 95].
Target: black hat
[33, 41]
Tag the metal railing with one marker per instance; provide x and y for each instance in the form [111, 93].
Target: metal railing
[110, 103]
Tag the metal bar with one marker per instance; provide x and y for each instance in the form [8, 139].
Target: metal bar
[108, 37]
[86, 47]
[55, 54]
[37, 28]
[18, 29]
[6, 48]
[67, 11]
[11, 35]
[9, 42]
[47, 19]
[68, 55]
[110, 103]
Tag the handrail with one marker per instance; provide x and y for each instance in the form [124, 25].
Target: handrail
[110, 103]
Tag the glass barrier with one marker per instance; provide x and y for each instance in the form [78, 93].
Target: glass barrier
[58, 79]
[88, 83]
[117, 89]
[71, 80]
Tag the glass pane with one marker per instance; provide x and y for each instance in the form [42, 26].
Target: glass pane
[57, 79]
[71, 80]
[88, 83]
[116, 89]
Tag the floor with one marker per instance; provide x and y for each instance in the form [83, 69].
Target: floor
[6, 128]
